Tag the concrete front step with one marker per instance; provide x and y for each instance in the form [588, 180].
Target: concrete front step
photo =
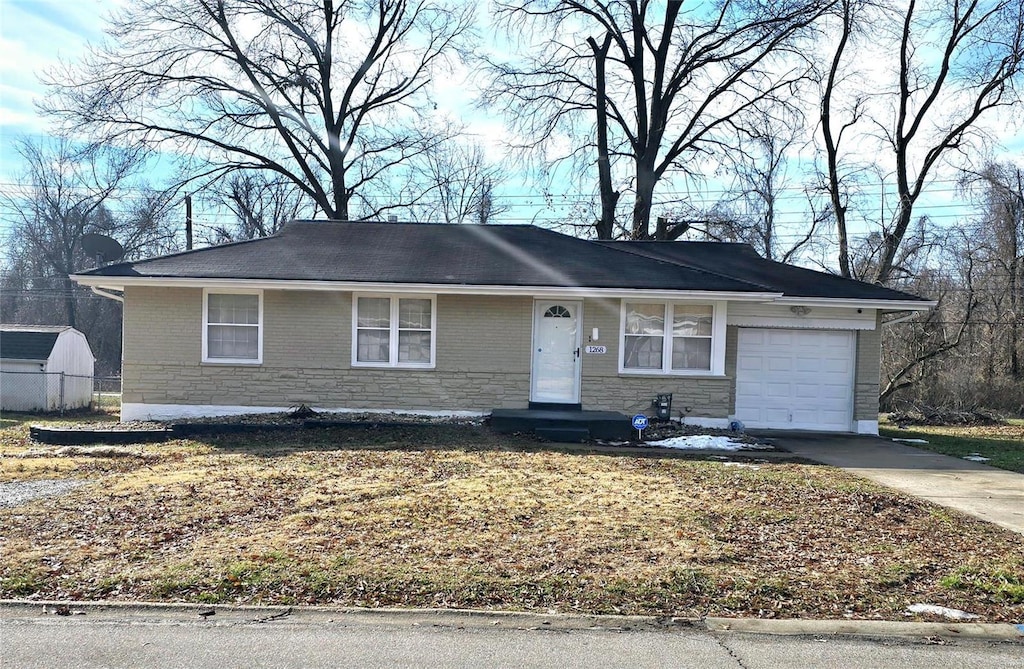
[560, 425]
[565, 435]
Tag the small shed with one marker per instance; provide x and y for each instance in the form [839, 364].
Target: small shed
[44, 368]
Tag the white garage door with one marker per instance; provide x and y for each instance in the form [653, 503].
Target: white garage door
[795, 379]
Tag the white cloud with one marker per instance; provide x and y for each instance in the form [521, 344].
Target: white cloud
[34, 36]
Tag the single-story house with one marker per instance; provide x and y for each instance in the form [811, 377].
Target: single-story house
[463, 319]
[44, 368]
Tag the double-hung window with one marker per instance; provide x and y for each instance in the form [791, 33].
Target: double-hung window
[393, 331]
[233, 327]
[671, 338]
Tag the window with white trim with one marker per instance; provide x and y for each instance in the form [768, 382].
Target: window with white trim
[685, 346]
[233, 327]
[393, 330]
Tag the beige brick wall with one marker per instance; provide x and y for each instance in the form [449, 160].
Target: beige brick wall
[869, 362]
[309, 330]
[484, 334]
[482, 360]
[605, 389]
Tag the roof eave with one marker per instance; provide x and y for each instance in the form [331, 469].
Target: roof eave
[887, 305]
[119, 283]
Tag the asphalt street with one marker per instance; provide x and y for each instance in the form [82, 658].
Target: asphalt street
[186, 640]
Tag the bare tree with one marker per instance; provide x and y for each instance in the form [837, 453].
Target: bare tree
[957, 63]
[327, 94]
[665, 82]
[999, 244]
[461, 185]
[260, 204]
[760, 182]
[67, 192]
[70, 190]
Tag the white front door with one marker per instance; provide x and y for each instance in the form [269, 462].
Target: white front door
[556, 351]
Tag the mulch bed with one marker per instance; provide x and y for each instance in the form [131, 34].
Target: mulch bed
[305, 418]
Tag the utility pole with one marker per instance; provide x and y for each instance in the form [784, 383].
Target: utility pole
[188, 222]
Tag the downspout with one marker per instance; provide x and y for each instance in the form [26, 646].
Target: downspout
[102, 293]
[901, 319]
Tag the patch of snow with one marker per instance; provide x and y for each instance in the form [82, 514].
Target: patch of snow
[912, 441]
[952, 614]
[745, 465]
[976, 457]
[701, 442]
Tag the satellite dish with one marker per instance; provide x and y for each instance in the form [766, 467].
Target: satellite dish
[104, 249]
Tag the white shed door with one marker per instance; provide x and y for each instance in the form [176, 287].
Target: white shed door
[795, 379]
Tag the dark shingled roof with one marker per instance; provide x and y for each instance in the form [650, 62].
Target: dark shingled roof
[494, 255]
[28, 343]
[480, 255]
[731, 259]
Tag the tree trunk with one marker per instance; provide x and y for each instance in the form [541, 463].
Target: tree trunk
[1014, 317]
[645, 182]
[69, 302]
[609, 197]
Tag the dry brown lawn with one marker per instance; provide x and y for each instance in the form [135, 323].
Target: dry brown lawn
[465, 518]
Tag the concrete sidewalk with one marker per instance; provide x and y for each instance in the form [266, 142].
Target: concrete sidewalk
[995, 495]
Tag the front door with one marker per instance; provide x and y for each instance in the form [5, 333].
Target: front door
[556, 351]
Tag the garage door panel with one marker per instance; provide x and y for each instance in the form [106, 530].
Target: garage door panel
[748, 388]
[810, 339]
[751, 336]
[795, 379]
[806, 365]
[834, 417]
[834, 367]
[770, 415]
[834, 391]
[750, 365]
[806, 390]
[837, 340]
[804, 417]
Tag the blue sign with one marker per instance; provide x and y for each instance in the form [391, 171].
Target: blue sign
[640, 421]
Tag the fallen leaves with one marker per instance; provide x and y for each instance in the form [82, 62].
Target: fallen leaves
[471, 519]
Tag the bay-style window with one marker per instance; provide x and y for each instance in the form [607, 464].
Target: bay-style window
[672, 338]
[393, 330]
[233, 327]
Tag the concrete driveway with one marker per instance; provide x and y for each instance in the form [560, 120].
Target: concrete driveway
[984, 492]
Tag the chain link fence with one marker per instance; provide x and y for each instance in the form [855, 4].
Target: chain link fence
[106, 392]
[56, 392]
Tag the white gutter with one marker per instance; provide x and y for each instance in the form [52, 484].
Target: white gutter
[102, 293]
[119, 283]
[103, 283]
[888, 305]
